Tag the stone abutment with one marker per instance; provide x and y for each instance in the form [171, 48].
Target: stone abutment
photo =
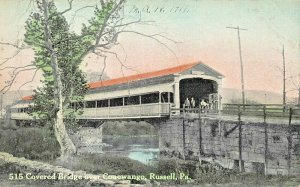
[270, 148]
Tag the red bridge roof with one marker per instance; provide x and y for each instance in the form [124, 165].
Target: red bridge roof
[136, 77]
[148, 75]
[27, 98]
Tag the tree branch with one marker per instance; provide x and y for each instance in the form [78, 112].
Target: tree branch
[100, 34]
[76, 11]
[9, 58]
[145, 35]
[104, 64]
[122, 63]
[16, 68]
[70, 7]
[34, 74]
[8, 86]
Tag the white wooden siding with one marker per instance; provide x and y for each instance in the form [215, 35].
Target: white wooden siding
[129, 111]
[123, 93]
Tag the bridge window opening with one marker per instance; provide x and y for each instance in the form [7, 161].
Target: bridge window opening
[150, 98]
[81, 104]
[116, 102]
[78, 105]
[90, 104]
[102, 103]
[171, 97]
[167, 97]
[164, 97]
[22, 110]
[132, 100]
[198, 89]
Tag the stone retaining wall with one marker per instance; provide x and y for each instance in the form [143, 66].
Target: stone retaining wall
[219, 142]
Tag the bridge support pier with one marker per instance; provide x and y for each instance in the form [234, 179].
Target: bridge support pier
[88, 138]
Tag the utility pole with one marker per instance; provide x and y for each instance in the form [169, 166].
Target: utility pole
[284, 92]
[241, 62]
[299, 98]
[1, 105]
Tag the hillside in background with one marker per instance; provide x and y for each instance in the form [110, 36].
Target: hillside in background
[256, 96]
[12, 96]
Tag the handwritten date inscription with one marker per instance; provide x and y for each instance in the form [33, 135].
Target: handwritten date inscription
[159, 9]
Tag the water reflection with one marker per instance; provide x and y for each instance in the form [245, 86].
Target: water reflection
[142, 148]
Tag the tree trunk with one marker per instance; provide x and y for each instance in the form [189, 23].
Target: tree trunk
[67, 148]
[66, 145]
[299, 98]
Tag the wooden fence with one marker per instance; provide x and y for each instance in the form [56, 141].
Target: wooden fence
[259, 110]
[270, 110]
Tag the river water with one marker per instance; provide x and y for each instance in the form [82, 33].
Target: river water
[141, 148]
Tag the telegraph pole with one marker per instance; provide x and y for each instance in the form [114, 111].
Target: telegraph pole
[241, 62]
[299, 98]
[1, 105]
[284, 92]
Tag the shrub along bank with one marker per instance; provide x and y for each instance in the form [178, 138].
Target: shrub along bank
[36, 143]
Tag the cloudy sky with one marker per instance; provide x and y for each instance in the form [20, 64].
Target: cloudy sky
[199, 33]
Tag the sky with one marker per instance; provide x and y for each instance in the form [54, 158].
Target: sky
[192, 30]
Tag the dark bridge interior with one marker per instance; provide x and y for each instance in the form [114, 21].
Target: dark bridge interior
[197, 88]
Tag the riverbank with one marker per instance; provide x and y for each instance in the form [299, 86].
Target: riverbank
[24, 171]
[109, 170]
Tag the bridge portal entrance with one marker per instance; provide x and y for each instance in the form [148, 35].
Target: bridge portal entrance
[198, 89]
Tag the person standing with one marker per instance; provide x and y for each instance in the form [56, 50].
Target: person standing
[203, 105]
[187, 103]
[193, 103]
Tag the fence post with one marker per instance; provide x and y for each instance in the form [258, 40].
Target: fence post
[266, 142]
[289, 138]
[200, 133]
[241, 165]
[183, 133]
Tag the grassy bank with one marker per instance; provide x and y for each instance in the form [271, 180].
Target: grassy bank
[32, 143]
[201, 175]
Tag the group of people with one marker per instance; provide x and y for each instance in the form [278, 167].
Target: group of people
[192, 104]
